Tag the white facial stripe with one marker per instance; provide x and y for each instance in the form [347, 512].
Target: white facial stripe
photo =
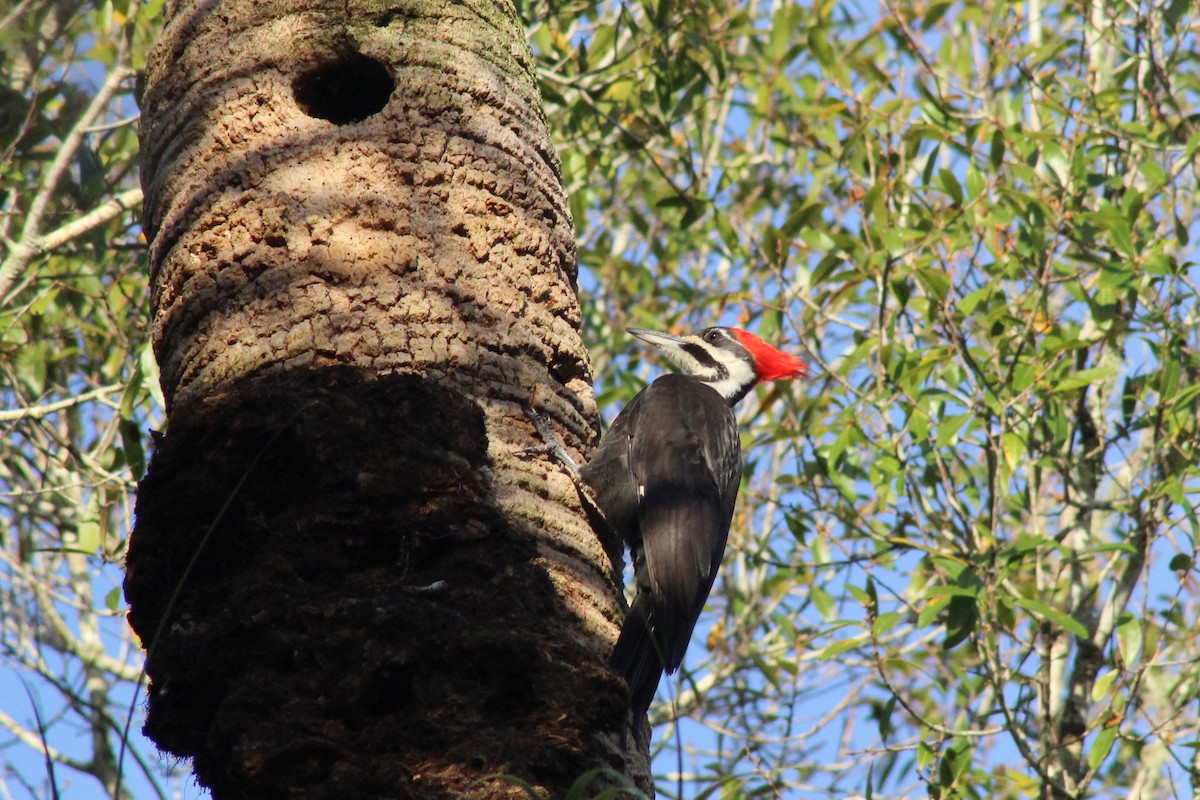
[740, 375]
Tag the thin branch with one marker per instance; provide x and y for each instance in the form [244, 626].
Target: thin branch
[125, 201]
[25, 248]
[39, 412]
[34, 740]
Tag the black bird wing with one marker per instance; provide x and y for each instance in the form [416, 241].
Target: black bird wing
[688, 474]
[609, 475]
[657, 480]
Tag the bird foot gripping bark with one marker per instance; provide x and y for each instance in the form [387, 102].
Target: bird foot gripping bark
[553, 446]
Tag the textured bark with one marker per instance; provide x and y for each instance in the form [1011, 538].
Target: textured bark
[363, 272]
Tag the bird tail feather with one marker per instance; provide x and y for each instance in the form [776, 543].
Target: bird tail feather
[637, 655]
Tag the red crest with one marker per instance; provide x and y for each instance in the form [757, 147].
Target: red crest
[771, 364]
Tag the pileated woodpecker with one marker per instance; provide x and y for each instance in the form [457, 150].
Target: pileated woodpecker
[666, 477]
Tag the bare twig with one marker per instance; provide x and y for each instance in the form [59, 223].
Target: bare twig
[26, 246]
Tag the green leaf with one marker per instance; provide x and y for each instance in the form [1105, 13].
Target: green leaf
[44, 301]
[1175, 11]
[1159, 264]
[1014, 449]
[859, 594]
[931, 610]
[968, 303]
[1129, 639]
[823, 601]
[87, 536]
[1118, 228]
[926, 755]
[949, 427]
[1181, 562]
[1056, 162]
[1083, 378]
[997, 150]
[1103, 685]
[952, 591]
[1100, 748]
[1059, 618]
[839, 647]
[886, 621]
[951, 185]
[962, 615]
[976, 184]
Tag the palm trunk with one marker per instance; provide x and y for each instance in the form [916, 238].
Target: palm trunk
[363, 271]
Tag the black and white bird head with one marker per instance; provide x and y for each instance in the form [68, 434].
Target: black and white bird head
[730, 360]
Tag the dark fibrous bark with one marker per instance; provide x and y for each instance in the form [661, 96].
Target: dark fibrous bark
[316, 641]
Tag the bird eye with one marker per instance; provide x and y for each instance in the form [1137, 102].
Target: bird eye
[712, 335]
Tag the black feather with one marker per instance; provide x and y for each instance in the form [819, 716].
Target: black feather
[666, 477]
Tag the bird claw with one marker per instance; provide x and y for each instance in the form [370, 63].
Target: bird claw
[535, 450]
[551, 445]
[554, 447]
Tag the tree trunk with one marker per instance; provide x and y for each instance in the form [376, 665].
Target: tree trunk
[363, 271]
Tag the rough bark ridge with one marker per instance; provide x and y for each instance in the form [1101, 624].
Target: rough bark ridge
[363, 271]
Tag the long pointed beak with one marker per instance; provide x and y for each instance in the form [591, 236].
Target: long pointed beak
[659, 340]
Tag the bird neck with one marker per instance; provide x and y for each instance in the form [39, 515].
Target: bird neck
[733, 381]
